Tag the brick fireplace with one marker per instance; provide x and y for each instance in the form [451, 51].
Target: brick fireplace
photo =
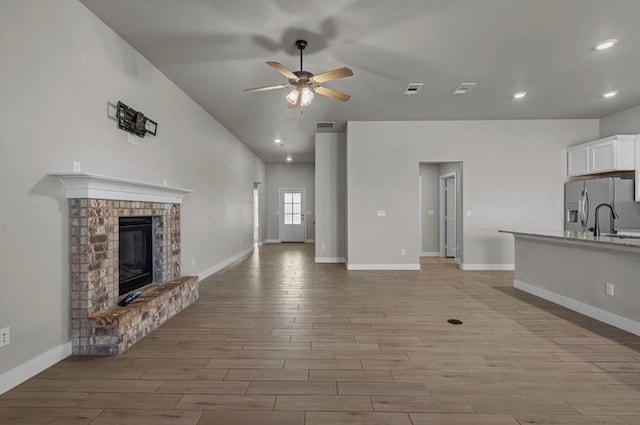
[99, 326]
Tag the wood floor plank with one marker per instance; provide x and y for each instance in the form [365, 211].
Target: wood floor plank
[277, 339]
[331, 403]
[214, 417]
[147, 417]
[357, 418]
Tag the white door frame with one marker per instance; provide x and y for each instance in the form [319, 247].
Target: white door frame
[255, 213]
[303, 209]
[442, 209]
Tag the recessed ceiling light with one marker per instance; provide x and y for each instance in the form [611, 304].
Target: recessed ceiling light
[520, 95]
[610, 93]
[603, 45]
[277, 141]
[289, 159]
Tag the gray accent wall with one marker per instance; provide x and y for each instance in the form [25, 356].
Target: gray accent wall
[331, 199]
[290, 176]
[514, 173]
[623, 122]
[60, 67]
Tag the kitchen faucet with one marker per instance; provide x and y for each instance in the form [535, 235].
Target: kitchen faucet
[614, 215]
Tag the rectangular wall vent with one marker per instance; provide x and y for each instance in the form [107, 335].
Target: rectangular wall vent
[323, 125]
[464, 88]
[413, 88]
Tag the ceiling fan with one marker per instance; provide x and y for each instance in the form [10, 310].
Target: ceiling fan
[305, 84]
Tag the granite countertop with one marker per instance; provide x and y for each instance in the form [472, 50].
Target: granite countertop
[581, 237]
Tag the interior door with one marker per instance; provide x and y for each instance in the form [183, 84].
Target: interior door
[450, 218]
[292, 207]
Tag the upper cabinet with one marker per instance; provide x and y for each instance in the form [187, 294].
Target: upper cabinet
[615, 153]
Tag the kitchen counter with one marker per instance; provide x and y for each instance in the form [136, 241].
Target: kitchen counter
[598, 276]
[583, 238]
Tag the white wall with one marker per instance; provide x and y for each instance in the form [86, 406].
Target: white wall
[624, 122]
[513, 178]
[330, 198]
[59, 67]
[429, 178]
[290, 176]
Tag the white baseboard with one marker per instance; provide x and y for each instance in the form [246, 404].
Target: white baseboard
[352, 266]
[31, 368]
[467, 266]
[331, 260]
[205, 274]
[272, 241]
[310, 241]
[586, 309]
[430, 254]
[457, 261]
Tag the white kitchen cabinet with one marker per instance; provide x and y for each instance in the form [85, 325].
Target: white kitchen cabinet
[615, 153]
[578, 160]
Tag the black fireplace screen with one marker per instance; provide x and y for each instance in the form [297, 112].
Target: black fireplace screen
[135, 253]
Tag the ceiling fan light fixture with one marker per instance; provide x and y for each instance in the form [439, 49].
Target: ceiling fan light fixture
[307, 97]
[292, 97]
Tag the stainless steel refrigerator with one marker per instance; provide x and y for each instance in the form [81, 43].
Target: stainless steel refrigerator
[581, 197]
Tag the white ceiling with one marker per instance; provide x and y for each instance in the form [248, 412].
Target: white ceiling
[213, 49]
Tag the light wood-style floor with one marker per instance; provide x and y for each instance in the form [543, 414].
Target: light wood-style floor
[278, 340]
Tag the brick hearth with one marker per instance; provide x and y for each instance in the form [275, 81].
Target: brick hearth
[94, 275]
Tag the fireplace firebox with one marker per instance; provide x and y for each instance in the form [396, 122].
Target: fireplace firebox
[135, 253]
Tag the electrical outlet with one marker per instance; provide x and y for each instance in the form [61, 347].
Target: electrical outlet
[76, 166]
[403, 251]
[322, 247]
[609, 289]
[193, 262]
[4, 336]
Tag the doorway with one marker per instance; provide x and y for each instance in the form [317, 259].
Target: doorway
[256, 215]
[448, 219]
[291, 213]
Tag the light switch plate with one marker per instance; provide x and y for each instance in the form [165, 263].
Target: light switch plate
[382, 213]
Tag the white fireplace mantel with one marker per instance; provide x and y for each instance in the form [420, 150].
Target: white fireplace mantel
[94, 186]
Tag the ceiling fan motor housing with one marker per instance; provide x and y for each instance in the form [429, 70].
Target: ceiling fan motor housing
[304, 79]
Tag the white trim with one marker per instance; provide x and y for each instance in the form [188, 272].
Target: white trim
[458, 261]
[310, 241]
[331, 260]
[586, 309]
[272, 241]
[34, 366]
[430, 254]
[405, 266]
[211, 270]
[468, 266]
[94, 186]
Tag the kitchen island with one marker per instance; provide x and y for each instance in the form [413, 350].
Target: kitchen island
[598, 276]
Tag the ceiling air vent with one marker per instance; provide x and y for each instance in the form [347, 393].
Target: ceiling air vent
[413, 88]
[325, 125]
[464, 88]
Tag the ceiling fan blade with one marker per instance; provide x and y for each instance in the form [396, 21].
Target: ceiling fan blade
[333, 75]
[334, 94]
[257, 89]
[283, 70]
